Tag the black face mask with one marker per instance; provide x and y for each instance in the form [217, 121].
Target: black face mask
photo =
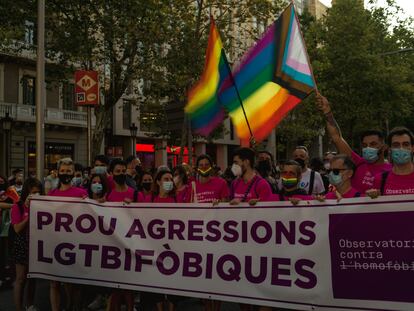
[301, 162]
[120, 179]
[146, 186]
[65, 178]
[264, 166]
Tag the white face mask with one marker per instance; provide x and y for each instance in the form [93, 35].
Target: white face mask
[168, 186]
[236, 170]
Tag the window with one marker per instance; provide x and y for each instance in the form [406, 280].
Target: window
[68, 96]
[28, 84]
[126, 114]
[29, 32]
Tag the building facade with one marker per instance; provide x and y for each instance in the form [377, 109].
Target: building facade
[65, 123]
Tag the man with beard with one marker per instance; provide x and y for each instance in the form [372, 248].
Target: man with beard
[310, 181]
[248, 186]
[372, 161]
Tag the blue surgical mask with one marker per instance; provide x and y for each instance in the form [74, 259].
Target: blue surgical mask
[100, 170]
[96, 188]
[370, 154]
[76, 181]
[168, 186]
[400, 156]
[335, 180]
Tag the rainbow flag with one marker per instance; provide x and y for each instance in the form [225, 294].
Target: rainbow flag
[272, 78]
[203, 106]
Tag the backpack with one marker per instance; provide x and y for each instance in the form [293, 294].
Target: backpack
[311, 182]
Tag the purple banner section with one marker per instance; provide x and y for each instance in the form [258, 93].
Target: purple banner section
[372, 256]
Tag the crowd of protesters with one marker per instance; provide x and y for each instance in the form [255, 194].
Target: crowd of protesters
[385, 167]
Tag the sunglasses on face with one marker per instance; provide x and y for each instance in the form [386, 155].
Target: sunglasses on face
[336, 171]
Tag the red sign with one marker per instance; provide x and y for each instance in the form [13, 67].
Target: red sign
[86, 88]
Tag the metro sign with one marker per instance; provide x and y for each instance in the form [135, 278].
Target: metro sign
[86, 88]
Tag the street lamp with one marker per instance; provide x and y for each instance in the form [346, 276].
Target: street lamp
[6, 124]
[133, 131]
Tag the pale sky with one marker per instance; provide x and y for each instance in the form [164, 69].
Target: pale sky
[406, 5]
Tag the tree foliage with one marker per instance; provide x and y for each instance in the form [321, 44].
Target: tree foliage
[367, 87]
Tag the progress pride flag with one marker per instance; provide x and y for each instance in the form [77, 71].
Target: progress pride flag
[273, 254]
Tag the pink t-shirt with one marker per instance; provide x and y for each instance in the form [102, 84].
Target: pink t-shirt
[365, 172]
[72, 192]
[259, 190]
[110, 182]
[396, 184]
[214, 188]
[116, 196]
[158, 199]
[184, 195]
[351, 193]
[16, 216]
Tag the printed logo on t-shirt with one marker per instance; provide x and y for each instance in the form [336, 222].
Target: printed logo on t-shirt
[303, 184]
[368, 179]
[205, 196]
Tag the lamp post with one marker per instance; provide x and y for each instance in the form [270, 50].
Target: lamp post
[133, 131]
[6, 123]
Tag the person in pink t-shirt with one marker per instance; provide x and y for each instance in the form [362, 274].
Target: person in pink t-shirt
[340, 174]
[372, 161]
[163, 188]
[66, 170]
[121, 191]
[98, 188]
[146, 185]
[207, 188]
[401, 179]
[20, 223]
[248, 186]
[101, 167]
[183, 192]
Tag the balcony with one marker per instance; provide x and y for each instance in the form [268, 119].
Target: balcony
[27, 113]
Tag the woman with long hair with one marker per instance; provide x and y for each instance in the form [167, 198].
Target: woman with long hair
[20, 222]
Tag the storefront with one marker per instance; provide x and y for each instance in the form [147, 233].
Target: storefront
[146, 153]
[53, 153]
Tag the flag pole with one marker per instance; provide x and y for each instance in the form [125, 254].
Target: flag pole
[240, 99]
[252, 141]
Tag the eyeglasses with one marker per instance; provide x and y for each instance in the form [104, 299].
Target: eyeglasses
[336, 171]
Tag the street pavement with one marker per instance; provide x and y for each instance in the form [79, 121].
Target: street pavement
[42, 301]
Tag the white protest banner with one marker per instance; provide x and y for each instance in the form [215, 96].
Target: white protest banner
[357, 254]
